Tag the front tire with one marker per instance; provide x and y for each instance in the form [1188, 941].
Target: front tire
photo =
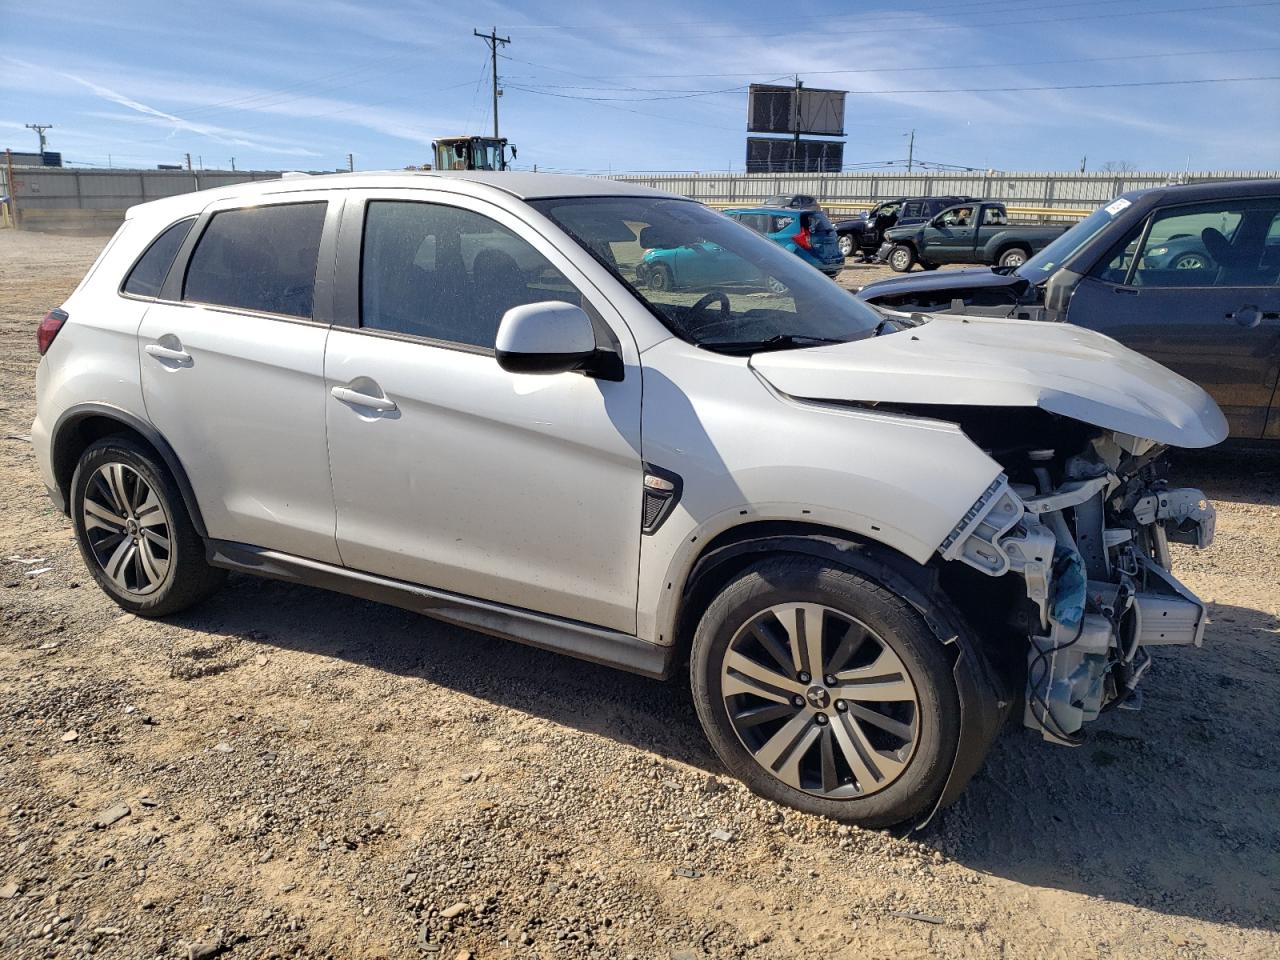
[901, 258]
[857, 720]
[134, 532]
[846, 245]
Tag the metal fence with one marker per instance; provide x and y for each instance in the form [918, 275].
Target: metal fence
[85, 199]
[52, 197]
[843, 192]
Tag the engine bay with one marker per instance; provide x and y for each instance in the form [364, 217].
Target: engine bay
[1088, 532]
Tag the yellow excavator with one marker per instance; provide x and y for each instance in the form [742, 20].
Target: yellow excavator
[472, 153]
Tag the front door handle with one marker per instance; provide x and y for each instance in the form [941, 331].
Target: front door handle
[171, 354]
[358, 399]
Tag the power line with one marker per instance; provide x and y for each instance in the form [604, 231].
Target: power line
[856, 93]
[912, 69]
[832, 22]
[1001, 24]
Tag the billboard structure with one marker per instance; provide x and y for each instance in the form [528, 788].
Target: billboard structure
[781, 155]
[795, 111]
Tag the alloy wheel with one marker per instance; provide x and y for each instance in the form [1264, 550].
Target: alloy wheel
[820, 700]
[899, 259]
[128, 528]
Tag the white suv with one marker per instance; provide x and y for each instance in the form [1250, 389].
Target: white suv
[868, 534]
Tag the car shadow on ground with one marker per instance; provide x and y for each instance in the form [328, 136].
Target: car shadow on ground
[1154, 796]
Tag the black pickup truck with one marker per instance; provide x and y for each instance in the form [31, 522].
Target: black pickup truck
[865, 232]
[969, 232]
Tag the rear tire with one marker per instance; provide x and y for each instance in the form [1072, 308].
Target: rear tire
[901, 258]
[846, 245]
[134, 532]
[660, 277]
[1014, 257]
[867, 738]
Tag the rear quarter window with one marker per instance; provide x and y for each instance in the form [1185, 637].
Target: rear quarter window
[148, 273]
[259, 258]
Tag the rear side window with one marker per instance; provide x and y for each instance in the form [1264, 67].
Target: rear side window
[147, 276]
[259, 258]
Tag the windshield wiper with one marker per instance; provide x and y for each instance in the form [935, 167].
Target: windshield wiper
[776, 342]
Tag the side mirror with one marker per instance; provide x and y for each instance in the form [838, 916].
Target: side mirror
[552, 337]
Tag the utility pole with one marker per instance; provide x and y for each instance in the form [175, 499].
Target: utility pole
[492, 39]
[795, 139]
[351, 162]
[233, 164]
[1084, 162]
[40, 128]
[188, 161]
[911, 151]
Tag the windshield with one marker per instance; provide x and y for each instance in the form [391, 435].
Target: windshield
[1038, 268]
[711, 280]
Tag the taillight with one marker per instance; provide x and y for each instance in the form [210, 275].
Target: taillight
[802, 239]
[49, 327]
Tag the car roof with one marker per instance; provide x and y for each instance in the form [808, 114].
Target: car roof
[1208, 190]
[525, 186]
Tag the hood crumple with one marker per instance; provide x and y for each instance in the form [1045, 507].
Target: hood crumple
[980, 361]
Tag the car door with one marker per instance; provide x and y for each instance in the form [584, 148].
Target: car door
[450, 472]
[232, 367]
[949, 237]
[1214, 316]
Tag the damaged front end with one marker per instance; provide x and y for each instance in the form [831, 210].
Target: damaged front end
[1089, 534]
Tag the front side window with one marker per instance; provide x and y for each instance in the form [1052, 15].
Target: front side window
[448, 274]
[1222, 244]
[709, 280]
[147, 276]
[912, 210]
[956, 217]
[258, 258]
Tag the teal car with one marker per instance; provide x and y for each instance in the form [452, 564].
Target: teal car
[809, 234]
[806, 233]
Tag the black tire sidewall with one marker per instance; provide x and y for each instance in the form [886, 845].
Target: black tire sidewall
[660, 277]
[1017, 251]
[189, 578]
[804, 579]
[901, 251]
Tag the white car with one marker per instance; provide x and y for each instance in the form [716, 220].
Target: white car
[867, 534]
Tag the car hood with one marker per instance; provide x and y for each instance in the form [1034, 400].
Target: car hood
[978, 361]
[982, 278]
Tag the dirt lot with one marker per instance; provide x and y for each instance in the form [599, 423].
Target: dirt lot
[286, 772]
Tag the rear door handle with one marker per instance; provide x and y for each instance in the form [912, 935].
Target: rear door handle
[168, 353]
[358, 399]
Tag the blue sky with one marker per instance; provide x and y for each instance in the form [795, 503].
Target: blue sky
[652, 85]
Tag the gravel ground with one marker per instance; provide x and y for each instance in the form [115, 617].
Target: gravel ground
[289, 773]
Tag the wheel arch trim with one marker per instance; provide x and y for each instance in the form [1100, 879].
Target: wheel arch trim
[985, 699]
[66, 429]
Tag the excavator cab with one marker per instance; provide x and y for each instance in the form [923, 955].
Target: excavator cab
[471, 153]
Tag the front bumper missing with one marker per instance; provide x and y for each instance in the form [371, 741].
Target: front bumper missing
[1095, 561]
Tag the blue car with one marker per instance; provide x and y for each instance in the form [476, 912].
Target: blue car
[809, 234]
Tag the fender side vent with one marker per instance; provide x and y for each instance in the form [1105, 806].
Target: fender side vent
[662, 490]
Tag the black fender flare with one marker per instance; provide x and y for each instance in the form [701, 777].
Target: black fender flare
[985, 699]
[65, 428]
